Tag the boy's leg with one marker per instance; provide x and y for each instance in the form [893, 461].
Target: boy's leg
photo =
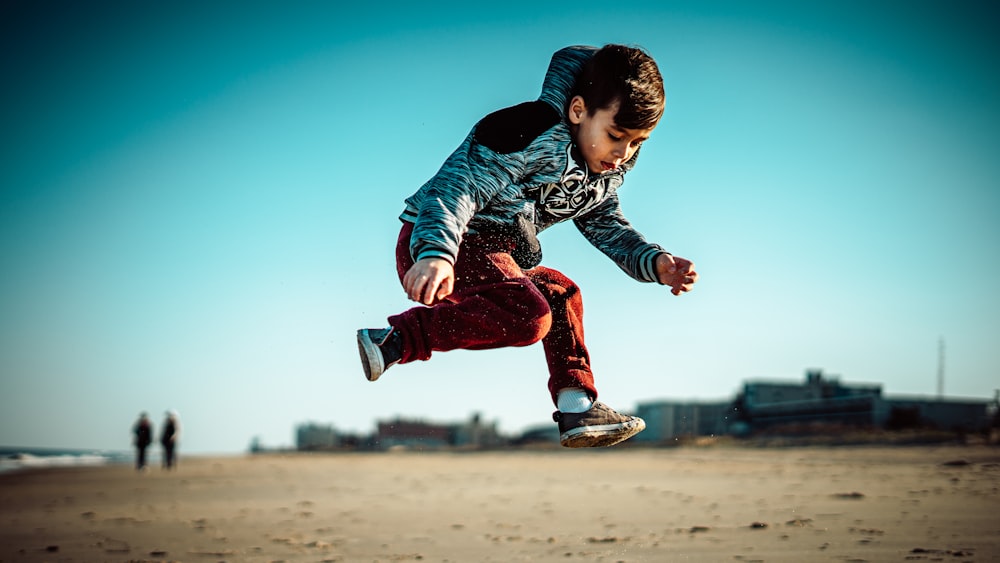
[496, 304]
[493, 303]
[565, 350]
[593, 424]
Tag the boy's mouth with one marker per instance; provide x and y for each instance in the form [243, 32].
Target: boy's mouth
[607, 166]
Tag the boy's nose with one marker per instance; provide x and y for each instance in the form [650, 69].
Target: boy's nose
[619, 151]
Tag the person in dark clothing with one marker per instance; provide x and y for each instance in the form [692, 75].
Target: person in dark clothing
[142, 437]
[169, 438]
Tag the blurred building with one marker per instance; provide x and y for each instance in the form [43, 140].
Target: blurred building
[819, 399]
[312, 436]
[670, 420]
[816, 403]
[418, 434]
[959, 415]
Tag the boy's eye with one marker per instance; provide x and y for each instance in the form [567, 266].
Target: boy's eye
[614, 137]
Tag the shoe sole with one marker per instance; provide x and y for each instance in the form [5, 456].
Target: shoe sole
[601, 436]
[371, 356]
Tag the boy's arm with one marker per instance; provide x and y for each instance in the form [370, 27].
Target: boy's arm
[497, 154]
[493, 155]
[467, 180]
[610, 232]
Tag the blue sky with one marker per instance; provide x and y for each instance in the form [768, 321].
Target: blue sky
[198, 206]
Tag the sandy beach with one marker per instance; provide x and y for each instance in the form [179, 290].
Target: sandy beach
[685, 504]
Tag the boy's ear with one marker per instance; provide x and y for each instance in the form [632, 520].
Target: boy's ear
[577, 109]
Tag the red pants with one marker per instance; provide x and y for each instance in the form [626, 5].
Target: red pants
[496, 304]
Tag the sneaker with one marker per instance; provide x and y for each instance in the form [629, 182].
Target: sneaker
[599, 427]
[380, 349]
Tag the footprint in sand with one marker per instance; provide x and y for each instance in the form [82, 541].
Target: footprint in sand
[848, 496]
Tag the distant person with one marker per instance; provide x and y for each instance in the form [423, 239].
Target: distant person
[169, 437]
[468, 250]
[142, 437]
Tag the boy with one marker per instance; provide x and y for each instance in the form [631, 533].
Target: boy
[468, 250]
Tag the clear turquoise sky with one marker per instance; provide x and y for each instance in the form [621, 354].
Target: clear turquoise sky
[198, 206]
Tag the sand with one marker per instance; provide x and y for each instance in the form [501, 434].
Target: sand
[684, 504]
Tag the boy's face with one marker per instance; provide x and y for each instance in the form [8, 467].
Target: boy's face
[603, 144]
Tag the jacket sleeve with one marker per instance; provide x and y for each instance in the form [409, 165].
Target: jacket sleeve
[610, 232]
[466, 182]
[497, 153]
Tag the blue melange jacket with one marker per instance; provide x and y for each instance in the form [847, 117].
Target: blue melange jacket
[518, 162]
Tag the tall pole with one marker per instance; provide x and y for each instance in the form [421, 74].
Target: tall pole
[940, 370]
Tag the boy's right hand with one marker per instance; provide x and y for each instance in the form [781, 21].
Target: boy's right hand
[677, 272]
[429, 280]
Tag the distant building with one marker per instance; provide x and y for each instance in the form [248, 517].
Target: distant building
[820, 401]
[477, 434]
[820, 404]
[958, 415]
[311, 436]
[825, 400]
[413, 433]
[668, 420]
[425, 435]
[765, 404]
[540, 435]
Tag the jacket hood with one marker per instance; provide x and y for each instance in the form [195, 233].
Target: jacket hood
[565, 66]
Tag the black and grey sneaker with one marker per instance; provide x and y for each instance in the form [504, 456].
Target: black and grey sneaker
[599, 427]
[380, 348]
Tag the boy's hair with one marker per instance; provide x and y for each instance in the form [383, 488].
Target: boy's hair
[628, 75]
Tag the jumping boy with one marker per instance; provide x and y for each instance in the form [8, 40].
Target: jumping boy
[468, 250]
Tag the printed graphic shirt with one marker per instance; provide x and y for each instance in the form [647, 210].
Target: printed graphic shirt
[519, 161]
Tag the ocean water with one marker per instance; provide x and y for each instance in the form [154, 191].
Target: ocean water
[13, 459]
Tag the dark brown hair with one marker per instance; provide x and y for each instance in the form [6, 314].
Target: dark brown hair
[627, 75]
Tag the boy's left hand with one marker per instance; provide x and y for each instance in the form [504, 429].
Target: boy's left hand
[676, 272]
